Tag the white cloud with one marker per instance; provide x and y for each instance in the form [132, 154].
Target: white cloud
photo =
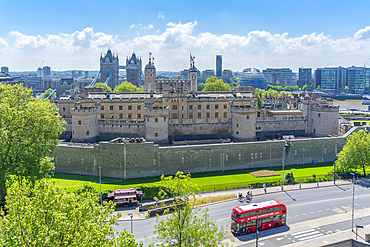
[150, 26]
[132, 26]
[259, 48]
[161, 15]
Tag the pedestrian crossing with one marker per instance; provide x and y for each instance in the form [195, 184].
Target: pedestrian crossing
[309, 234]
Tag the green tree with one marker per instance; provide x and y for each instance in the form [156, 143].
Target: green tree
[305, 88]
[187, 225]
[200, 86]
[346, 89]
[318, 88]
[46, 215]
[47, 93]
[235, 80]
[105, 86]
[216, 85]
[127, 87]
[355, 154]
[30, 130]
[259, 101]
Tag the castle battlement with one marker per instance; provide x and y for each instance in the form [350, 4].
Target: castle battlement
[85, 110]
[325, 108]
[243, 108]
[200, 121]
[276, 119]
[156, 111]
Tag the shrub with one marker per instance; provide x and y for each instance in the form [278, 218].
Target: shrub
[289, 177]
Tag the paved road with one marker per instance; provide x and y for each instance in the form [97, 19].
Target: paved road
[302, 205]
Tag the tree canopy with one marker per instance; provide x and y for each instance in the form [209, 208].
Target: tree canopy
[187, 225]
[46, 215]
[105, 86]
[200, 86]
[47, 93]
[30, 130]
[216, 85]
[355, 154]
[127, 87]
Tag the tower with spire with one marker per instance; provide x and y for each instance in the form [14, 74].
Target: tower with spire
[150, 76]
[109, 63]
[134, 70]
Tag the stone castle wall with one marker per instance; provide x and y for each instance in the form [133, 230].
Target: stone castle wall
[124, 161]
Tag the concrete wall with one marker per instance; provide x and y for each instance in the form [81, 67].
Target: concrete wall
[125, 161]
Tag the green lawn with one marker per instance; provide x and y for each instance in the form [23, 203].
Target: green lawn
[219, 180]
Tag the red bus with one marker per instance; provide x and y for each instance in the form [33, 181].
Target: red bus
[265, 215]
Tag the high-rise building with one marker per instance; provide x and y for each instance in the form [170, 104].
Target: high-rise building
[134, 70]
[86, 74]
[282, 76]
[39, 72]
[318, 77]
[333, 78]
[227, 76]
[5, 69]
[46, 70]
[305, 76]
[219, 66]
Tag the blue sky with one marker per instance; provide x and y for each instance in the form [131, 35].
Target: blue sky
[72, 34]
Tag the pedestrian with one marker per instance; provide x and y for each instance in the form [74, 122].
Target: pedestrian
[264, 187]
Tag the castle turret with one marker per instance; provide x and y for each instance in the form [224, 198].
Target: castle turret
[85, 123]
[193, 73]
[243, 122]
[156, 122]
[150, 75]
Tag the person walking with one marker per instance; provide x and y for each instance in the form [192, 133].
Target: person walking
[264, 187]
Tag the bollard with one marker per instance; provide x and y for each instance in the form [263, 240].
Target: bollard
[300, 186]
[318, 184]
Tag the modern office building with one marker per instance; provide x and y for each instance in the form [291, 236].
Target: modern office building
[227, 76]
[46, 70]
[280, 76]
[39, 72]
[253, 77]
[317, 77]
[219, 66]
[358, 80]
[5, 69]
[333, 78]
[305, 77]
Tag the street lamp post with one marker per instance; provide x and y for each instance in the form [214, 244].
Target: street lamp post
[257, 230]
[101, 200]
[282, 180]
[131, 215]
[353, 199]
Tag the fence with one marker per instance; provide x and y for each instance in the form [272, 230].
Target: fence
[275, 182]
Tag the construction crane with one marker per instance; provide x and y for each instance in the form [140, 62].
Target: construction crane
[366, 62]
[42, 63]
[107, 80]
[95, 79]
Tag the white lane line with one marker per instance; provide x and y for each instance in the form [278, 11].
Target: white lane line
[314, 236]
[306, 234]
[297, 233]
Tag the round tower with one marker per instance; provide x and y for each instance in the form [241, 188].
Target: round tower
[150, 75]
[85, 123]
[156, 122]
[243, 122]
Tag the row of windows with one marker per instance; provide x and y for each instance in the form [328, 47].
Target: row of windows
[208, 115]
[263, 221]
[120, 107]
[207, 107]
[268, 210]
[120, 116]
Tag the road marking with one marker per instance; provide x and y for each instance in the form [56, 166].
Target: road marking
[288, 217]
[297, 233]
[312, 212]
[329, 232]
[314, 236]
[296, 215]
[320, 211]
[278, 239]
[307, 234]
[328, 209]
[304, 214]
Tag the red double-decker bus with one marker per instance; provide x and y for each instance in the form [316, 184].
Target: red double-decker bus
[264, 215]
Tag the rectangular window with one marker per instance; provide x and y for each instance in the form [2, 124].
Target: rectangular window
[216, 114]
[138, 116]
[216, 106]
[120, 107]
[102, 107]
[79, 122]
[318, 114]
[129, 107]
[199, 115]
[190, 115]
[156, 134]
[101, 116]
[199, 107]
[247, 116]
[120, 116]
[64, 109]
[138, 107]
[174, 107]
[314, 131]
[174, 116]
[208, 115]
[182, 107]
[156, 120]
[208, 106]
[225, 114]
[129, 116]
[225, 106]
[111, 108]
[190, 107]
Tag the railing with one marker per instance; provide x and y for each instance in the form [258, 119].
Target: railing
[275, 182]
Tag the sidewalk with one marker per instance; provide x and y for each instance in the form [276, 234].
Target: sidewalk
[255, 191]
